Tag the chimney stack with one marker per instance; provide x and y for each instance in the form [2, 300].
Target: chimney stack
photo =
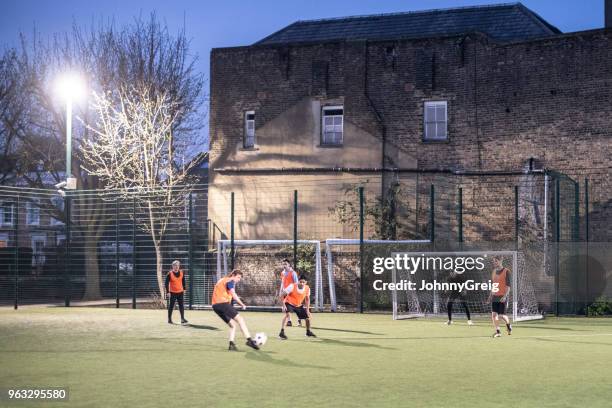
[608, 13]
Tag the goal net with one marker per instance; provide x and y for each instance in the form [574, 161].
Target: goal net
[260, 261]
[433, 281]
[343, 272]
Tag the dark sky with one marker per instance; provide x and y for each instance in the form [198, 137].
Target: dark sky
[223, 23]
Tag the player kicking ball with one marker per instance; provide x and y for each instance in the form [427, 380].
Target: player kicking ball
[501, 279]
[223, 294]
[295, 296]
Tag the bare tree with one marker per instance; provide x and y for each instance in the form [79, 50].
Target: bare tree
[108, 57]
[135, 155]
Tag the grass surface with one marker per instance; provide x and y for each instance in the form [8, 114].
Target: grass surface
[126, 358]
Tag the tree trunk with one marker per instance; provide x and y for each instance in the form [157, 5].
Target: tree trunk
[160, 269]
[92, 269]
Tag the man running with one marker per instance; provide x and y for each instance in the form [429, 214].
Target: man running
[288, 277]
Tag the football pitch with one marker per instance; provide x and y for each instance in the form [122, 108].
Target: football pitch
[133, 358]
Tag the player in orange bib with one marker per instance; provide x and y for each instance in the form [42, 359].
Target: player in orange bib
[295, 297]
[499, 295]
[288, 277]
[175, 288]
[223, 294]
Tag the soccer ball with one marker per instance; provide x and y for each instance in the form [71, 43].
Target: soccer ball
[260, 339]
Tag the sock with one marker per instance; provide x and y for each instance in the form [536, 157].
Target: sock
[509, 326]
[497, 329]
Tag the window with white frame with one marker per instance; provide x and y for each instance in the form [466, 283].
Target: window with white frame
[332, 125]
[33, 213]
[7, 213]
[249, 129]
[4, 239]
[435, 120]
[193, 207]
[38, 244]
[58, 203]
[60, 239]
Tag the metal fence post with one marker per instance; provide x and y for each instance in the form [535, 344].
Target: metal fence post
[134, 258]
[432, 226]
[190, 253]
[516, 218]
[232, 232]
[586, 239]
[117, 253]
[295, 227]
[557, 240]
[460, 215]
[67, 286]
[361, 268]
[16, 259]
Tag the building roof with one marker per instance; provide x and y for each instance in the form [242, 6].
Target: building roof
[501, 22]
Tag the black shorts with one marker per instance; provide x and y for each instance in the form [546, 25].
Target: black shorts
[299, 311]
[225, 311]
[498, 307]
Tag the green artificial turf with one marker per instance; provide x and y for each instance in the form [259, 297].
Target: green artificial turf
[133, 358]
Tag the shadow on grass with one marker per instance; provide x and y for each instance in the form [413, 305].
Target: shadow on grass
[346, 331]
[529, 326]
[582, 343]
[201, 326]
[267, 358]
[354, 344]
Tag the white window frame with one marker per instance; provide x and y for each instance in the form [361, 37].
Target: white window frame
[324, 142]
[33, 205]
[4, 236]
[246, 136]
[54, 202]
[2, 209]
[194, 196]
[38, 258]
[436, 122]
[59, 238]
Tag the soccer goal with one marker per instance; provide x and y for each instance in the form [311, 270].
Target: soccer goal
[426, 288]
[332, 243]
[260, 259]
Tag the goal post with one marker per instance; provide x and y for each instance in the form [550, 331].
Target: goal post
[265, 285]
[428, 294]
[336, 242]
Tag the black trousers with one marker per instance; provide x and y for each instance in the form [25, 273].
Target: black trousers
[174, 298]
[451, 300]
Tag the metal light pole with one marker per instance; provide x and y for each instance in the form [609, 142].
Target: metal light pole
[70, 87]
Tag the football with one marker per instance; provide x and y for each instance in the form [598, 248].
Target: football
[260, 339]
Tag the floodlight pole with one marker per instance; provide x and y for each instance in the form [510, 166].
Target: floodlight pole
[68, 138]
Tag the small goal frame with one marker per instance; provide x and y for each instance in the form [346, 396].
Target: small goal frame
[223, 268]
[513, 292]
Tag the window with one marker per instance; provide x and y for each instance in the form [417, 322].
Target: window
[38, 244]
[249, 129]
[4, 239]
[60, 239]
[57, 202]
[6, 213]
[332, 125]
[32, 213]
[435, 118]
[194, 200]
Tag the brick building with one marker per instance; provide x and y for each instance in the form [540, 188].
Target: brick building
[482, 98]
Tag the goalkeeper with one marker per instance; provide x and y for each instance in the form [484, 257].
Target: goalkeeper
[454, 295]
